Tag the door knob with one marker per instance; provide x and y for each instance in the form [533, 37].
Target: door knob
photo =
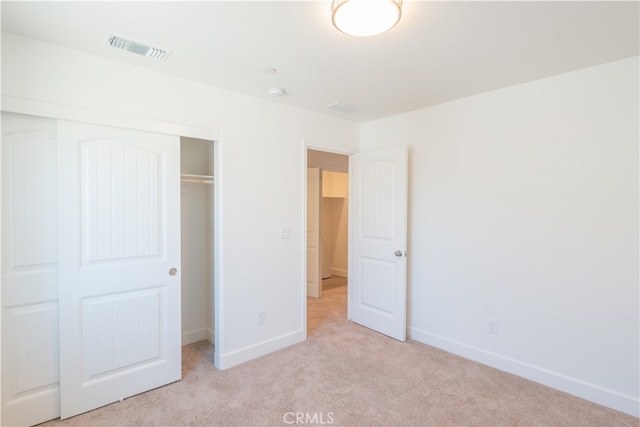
[398, 253]
[173, 272]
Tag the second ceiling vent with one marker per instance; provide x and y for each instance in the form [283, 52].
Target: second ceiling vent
[137, 47]
[343, 108]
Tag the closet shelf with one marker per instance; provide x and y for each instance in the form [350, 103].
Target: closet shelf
[197, 179]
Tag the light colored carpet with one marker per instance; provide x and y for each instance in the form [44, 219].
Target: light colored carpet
[347, 375]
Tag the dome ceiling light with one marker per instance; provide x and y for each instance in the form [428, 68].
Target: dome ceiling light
[364, 18]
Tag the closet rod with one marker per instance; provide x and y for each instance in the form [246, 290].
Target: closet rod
[197, 179]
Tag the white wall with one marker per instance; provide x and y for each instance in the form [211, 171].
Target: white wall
[524, 208]
[260, 175]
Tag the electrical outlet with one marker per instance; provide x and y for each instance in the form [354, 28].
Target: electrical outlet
[260, 317]
[492, 326]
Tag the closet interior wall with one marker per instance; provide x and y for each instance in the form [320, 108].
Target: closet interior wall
[335, 223]
[196, 167]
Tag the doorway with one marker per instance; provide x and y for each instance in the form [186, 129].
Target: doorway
[327, 232]
[377, 243]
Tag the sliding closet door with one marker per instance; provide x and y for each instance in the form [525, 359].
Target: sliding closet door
[30, 392]
[119, 251]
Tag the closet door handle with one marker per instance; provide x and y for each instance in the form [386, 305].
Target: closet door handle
[173, 272]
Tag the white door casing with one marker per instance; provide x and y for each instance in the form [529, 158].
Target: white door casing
[119, 243]
[314, 273]
[30, 388]
[378, 263]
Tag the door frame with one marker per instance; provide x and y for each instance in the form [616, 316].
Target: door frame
[328, 148]
[315, 287]
[17, 105]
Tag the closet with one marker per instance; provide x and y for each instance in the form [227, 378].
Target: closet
[91, 263]
[196, 194]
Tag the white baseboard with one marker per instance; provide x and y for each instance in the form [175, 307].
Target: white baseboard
[585, 390]
[236, 357]
[338, 272]
[197, 335]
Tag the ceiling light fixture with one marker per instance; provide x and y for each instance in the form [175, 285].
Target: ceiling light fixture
[363, 18]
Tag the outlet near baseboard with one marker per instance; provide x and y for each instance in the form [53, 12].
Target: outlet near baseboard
[492, 326]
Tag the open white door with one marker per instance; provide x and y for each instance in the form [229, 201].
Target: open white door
[314, 274]
[119, 250]
[378, 264]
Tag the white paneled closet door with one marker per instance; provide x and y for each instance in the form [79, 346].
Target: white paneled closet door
[30, 388]
[112, 327]
[119, 255]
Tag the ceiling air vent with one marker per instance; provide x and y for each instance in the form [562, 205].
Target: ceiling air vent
[343, 108]
[137, 47]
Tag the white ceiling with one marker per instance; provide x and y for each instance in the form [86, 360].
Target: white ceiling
[438, 52]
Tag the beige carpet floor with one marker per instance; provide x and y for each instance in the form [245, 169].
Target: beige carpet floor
[347, 375]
